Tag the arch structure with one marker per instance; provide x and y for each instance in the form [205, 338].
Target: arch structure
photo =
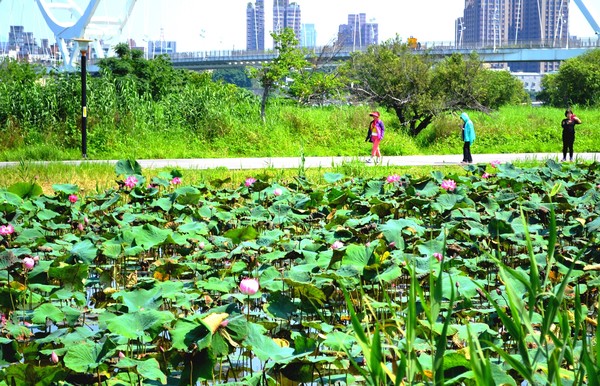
[59, 15]
[588, 16]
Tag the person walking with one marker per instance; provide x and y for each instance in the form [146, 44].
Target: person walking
[468, 136]
[568, 134]
[375, 135]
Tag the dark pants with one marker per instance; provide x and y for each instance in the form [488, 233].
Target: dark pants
[568, 141]
[467, 152]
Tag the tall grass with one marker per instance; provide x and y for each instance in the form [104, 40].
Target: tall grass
[204, 119]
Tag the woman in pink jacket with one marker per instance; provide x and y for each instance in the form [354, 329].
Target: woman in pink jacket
[375, 135]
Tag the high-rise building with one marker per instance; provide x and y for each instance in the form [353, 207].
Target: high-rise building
[358, 33]
[486, 22]
[309, 35]
[21, 41]
[255, 26]
[496, 23]
[287, 15]
[539, 22]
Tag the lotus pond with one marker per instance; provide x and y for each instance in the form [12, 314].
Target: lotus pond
[484, 277]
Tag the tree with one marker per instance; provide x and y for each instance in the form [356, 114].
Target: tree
[418, 86]
[235, 75]
[320, 81]
[577, 82]
[155, 77]
[289, 60]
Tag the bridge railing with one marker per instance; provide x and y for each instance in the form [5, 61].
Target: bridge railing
[249, 56]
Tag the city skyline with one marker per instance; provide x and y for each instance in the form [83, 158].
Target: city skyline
[204, 27]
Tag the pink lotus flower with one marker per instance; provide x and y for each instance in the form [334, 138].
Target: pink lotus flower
[201, 245]
[485, 176]
[277, 192]
[249, 181]
[176, 181]
[73, 198]
[80, 227]
[131, 182]
[121, 355]
[448, 185]
[249, 286]
[28, 263]
[439, 257]
[54, 358]
[6, 230]
[224, 323]
[393, 178]
[337, 244]
[495, 163]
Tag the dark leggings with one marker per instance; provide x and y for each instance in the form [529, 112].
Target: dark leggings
[467, 152]
[568, 141]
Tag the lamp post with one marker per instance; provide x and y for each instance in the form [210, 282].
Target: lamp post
[83, 48]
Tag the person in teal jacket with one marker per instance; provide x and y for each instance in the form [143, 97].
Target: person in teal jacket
[468, 136]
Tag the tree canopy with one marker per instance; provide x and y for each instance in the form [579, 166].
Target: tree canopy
[419, 86]
[289, 60]
[577, 82]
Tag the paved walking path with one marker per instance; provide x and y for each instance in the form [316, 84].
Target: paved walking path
[327, 162]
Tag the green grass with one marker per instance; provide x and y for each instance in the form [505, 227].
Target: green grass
[327, 131]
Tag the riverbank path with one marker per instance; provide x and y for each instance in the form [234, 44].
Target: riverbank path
[327, 162]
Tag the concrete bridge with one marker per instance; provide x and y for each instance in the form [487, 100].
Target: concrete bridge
[532, 52]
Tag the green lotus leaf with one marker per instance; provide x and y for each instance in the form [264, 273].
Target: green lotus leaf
[391, 273]
[29, 374]
[498, 227]
[163, 203]
[356, 256]
[426, 188]
[194, 228]
[31, 236]
[307, 291]
[339, 341]
[446, 202]
[187, 195]
[148, 236]
[143, 325]
[47, 311]
[280, 306]
[128, 168]
[187, 332]
[140, 299]
[88, 356]
[265, 347]
[71, 276]
[373, 188]
[332, 178]
[382, 209]
[26, 189]
[593, 225]
[46, 214]
[148, 369]
[111, 248]
[65, 188]
[84, 252]
[9, 201]
[393, 230]
[218, 284]
[241, 234]
[270, 279]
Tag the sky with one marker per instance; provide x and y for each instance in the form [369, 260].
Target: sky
[207, 25]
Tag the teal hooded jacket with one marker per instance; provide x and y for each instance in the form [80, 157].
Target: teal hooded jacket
[468, 129]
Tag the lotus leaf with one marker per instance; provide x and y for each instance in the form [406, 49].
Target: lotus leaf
[147, 369]
[127, 168]
[88, 356]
